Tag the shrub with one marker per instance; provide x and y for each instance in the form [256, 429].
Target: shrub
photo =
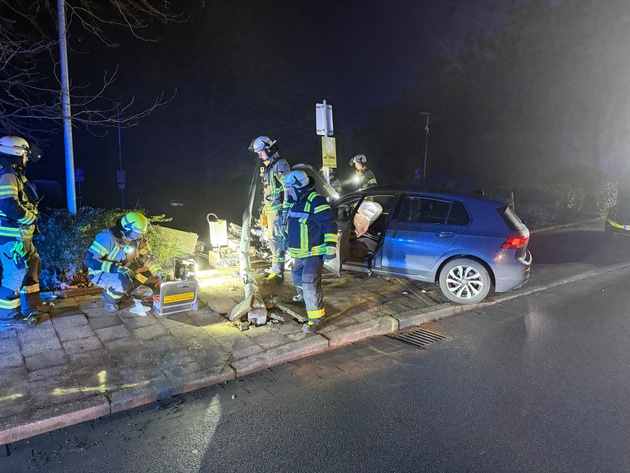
[65, 238]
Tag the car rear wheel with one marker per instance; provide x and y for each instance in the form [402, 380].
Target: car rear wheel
[465, 281]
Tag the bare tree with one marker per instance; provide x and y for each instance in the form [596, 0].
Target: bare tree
[30, 100]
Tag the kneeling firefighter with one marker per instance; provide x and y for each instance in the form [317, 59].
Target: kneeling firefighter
[20, 299]
[120, 261]
[312, 238]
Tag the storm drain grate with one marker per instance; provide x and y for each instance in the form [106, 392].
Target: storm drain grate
[419, 338]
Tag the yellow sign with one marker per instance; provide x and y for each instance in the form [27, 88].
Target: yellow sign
[187, 296]
[329, 152]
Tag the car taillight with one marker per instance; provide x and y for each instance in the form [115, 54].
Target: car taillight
[514, 243]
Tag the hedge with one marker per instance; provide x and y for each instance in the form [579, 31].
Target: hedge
[64, 239]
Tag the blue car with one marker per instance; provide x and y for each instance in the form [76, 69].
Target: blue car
[466, 243]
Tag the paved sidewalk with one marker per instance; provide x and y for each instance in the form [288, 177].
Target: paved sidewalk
[83, 362]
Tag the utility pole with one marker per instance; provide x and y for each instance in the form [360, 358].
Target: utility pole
[66, 114]
[120, 175]
[426, 143]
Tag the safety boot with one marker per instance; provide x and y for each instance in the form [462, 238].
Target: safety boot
[110, 307]
[298, 298]
[312, 325]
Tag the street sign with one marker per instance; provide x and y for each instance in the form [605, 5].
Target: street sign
[329, 152]
[78, 175]
[121, 178]
[324, 119]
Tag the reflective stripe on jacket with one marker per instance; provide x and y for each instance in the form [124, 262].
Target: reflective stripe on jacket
[367, 178]
[109, 252]
[17, 212]
[312, 228]
[272, 176]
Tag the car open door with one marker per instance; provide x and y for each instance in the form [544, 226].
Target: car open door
[334, 265]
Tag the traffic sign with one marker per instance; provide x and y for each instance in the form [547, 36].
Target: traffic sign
[324, 119]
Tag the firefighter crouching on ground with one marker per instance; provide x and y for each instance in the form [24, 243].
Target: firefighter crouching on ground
[312, 238]
[120, 261]
[19, 294]
[364, 177]
[272, 175]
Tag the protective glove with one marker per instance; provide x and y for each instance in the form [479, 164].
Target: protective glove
[128, 272]
[329, 257]
[263, 220]
[18, 255]
[160, 276]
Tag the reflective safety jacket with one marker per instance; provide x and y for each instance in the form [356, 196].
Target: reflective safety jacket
[312, 228]
[18, 205]
[110, 251]
[272, 176]
[366, 178]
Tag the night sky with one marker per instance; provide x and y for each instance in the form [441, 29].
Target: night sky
[242, 69]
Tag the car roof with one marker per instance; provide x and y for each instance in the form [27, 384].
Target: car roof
[479, 195]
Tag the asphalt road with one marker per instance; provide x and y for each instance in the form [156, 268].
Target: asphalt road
[536, 384]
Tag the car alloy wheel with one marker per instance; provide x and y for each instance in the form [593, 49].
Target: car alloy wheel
[465, 281]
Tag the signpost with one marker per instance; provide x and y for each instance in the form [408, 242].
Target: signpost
[324, 128]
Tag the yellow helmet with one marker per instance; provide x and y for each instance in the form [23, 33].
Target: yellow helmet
[134, 222]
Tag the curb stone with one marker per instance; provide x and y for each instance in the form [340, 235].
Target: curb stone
[54, 417]
[302, 348]
[355, 333]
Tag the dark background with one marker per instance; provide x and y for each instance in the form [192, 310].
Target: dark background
[518, 92]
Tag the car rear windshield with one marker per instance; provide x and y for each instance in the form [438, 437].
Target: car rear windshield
[509, 216]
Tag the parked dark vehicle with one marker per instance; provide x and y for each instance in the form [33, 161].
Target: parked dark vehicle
[466, 243]
[618, 218]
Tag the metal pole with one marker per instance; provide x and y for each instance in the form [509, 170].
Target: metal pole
[426, 143]
[66, 114]
[326, 169]
[122, 189]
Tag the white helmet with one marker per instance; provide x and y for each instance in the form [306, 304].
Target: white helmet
[261, 143]
[359, 158]
[16, 146]
[13, 145]
[297, 179]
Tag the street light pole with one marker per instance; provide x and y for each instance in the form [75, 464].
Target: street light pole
[66, 113]
[426, 144]
[120, 178]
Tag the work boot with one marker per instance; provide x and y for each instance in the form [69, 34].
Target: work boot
[110, 307]
[17, 319]
[298, 298]
[142, 292]
[275, 277]
[312, 325]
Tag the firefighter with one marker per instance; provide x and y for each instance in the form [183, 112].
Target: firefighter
[272, 174]
[335, 183]
[312, 238]
[364, 177]
[120, 261]
[20, 299]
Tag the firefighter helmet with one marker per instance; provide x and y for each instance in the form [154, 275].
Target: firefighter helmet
[297, 179]
[359, 158]
[262, 143]
[134, 222]
[13, 145]
[16, 147]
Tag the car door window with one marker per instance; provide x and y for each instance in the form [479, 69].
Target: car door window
[458, 214]
[344, 210]
[423, 210]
